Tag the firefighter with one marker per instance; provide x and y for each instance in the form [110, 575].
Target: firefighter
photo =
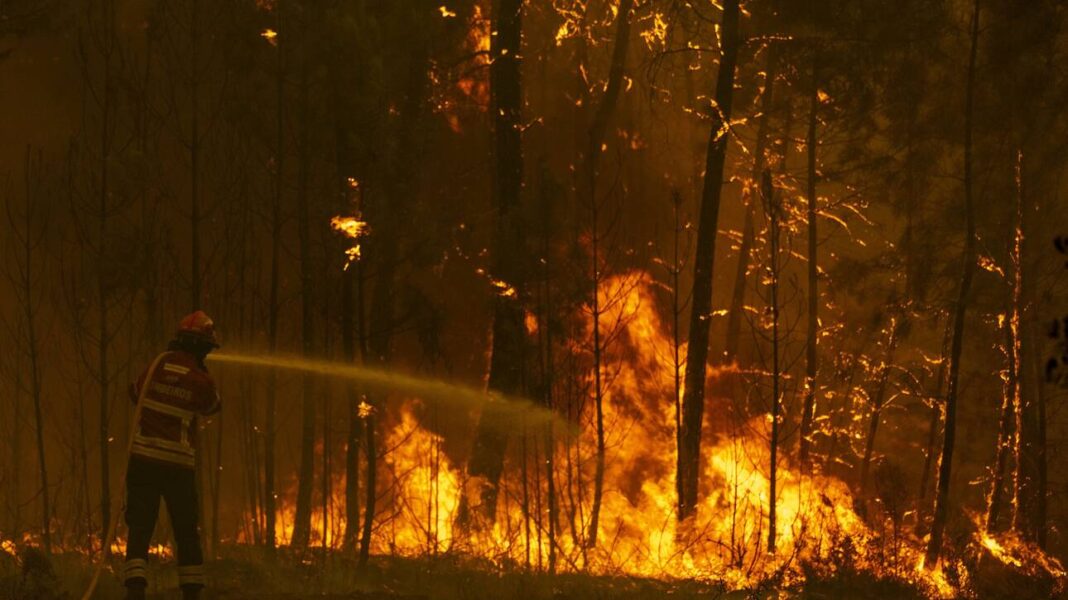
[162, 454]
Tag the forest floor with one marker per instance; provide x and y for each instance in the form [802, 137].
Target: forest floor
[246, 573]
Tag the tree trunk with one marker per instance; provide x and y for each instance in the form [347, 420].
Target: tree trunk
[548, 374]
[938, 522]
[1031, 484]
[809, 406]
[270, 496]
[509, 336]
[689, 454]
[29, 241]
[103, 372]
[352, 317]
[1007, 437]
[306, 476]
[593, 152]
[773, 211]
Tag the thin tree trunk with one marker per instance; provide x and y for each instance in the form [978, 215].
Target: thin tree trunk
[16, 450]
[270, 496]
[352, 285]
[1031, 477]
[1007, 436]
[306, 476]
[676, 315]
[938, 522]
[548, 374]
[29, 242]
[593, 152]
[772, 208]
[809, 407]
[688, 467]
[102, 291]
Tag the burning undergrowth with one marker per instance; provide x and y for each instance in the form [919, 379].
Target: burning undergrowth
[822, 535]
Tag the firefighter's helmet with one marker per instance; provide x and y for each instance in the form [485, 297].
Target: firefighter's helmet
[199, 326]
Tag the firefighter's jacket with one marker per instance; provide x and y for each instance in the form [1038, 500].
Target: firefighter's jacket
[178, 390]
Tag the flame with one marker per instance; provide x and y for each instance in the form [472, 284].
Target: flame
[503, 288]
[475, 85]
[421, 487]
[352, 228]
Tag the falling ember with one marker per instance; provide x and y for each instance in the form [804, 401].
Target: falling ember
[270, 35]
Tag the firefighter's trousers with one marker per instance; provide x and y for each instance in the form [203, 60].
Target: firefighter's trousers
[146, 483]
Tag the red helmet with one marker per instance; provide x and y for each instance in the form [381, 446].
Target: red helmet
[198, 325]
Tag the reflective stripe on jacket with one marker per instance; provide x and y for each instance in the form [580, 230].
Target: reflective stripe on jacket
[178, 390]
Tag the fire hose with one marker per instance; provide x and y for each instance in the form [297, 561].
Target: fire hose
[122, 481]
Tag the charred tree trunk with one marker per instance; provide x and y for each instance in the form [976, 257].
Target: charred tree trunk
[1010, 422]
[1007, 436]
[689, 454]
[548, 374]
[593, 152]
[505, 376]
[1031, 477]
[677, 306]
[938, 521]
[352, 319]
[772, 209]
[384, 216]
[809, 407]
[16, 452]
[306, 476]
[23, 280]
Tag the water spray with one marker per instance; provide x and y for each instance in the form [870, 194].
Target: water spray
[520, 410]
